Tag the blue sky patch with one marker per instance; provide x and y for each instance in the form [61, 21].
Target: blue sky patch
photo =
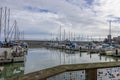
[89, 2]
[35, 9]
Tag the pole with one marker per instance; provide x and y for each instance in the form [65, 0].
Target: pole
[109, 36]
[0, 21]
[23, 35]
[60, 33]
[64, 35]
[74, 36]
[8, 27]
[5, 24]
[109, 27]
[15, 35]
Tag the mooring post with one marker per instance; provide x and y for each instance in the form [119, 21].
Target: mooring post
[91, 74]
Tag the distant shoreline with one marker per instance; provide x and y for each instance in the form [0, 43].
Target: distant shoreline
[41, 43]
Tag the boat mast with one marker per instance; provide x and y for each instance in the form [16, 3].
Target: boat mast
[60, 33]
[8, 26]
[23, 35]
[109, 27]
[69, 34]
[17, 33]
[64, 35]
[15, 27]
[5, 24]
[74, 36]
[109, 36]
[0, 21]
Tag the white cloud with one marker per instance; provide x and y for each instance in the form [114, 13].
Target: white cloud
[44, 17]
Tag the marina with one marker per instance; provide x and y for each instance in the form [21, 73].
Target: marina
[59, 40]
[43, 58]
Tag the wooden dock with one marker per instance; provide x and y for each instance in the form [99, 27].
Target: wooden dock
[14, 60]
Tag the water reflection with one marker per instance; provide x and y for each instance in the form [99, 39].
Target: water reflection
[41, 58]
[11, 70]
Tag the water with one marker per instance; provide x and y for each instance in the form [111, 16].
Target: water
[11, 70]
[41, 58]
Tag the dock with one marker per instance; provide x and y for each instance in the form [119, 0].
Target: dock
[14, 60]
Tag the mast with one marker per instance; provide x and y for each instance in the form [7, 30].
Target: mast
[74, 36]
[8, 27]
[17, 33]
[64, 35]
[23, 35]
[15, 27]
[11, 31]
[109, 27]
[0, 21]
[109, 36]
[69, 34]
[60, 33]
[5, 24]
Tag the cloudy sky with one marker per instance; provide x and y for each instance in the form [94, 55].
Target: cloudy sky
[41, 18]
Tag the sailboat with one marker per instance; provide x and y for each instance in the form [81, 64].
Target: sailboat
[10, 50]
[4, 50]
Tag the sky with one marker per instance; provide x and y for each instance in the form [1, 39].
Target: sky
[41, 19]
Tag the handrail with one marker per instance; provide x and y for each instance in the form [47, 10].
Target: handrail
[46, 73]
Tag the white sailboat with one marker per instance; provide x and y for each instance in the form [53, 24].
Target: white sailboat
[12, 48]
[4, 51]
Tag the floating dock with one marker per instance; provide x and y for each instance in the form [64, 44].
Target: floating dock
[14, 60]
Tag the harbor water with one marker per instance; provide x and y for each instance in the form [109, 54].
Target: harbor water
[42, 58]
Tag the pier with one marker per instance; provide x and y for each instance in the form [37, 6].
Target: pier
[89, 68]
